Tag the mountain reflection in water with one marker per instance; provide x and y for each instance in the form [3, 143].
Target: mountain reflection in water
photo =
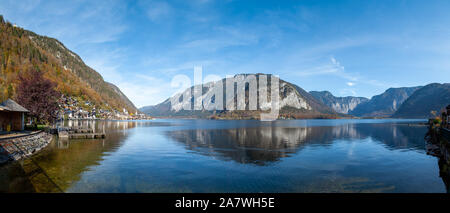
[233, 156]
[262, 145]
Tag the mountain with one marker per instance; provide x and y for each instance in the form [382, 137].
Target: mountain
[23, 51]
[294, 103]
[339, 104]
[385, 104]
[432, 97]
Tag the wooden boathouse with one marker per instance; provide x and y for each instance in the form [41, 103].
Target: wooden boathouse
[12, 116]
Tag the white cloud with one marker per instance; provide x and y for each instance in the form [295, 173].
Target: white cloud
[221, 37]
[24, 5]
[105, 61]
[347, 92]
[141, 89]
[335, 68]
[157, 10]
[196, 33]
[72, 22]
[145, 94]
[161, 67]
[321, 70]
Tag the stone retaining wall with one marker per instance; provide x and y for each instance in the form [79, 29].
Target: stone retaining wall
[16, 148]
[439, 145]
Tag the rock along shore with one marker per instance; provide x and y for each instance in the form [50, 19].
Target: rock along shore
[16, 148]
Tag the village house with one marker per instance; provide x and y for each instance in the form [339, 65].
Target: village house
[12, 116]
[446, 118]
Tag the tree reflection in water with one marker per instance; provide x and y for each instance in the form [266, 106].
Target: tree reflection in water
[285, 155]
[439, 147]
[60, 164]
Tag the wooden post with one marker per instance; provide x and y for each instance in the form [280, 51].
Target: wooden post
[22, 122]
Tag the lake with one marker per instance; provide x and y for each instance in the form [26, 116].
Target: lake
[384, 155]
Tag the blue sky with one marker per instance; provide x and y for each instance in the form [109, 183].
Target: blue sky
[358, 48]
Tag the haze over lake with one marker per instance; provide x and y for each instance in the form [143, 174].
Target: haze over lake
[235, 156]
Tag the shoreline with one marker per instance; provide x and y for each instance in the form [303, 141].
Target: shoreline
[15, 148]
[281, 119]
[19, 147]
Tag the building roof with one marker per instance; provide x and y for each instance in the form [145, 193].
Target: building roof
[12, 106]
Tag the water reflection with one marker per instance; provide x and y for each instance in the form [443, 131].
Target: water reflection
[61, 163]
[181, 156]
[267, 144]
[438, 146]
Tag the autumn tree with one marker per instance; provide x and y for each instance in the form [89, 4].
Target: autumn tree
[39, 96]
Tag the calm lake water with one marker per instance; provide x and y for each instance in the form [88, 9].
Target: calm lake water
[234, 156]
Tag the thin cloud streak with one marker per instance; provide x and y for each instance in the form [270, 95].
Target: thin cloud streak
[312, 45]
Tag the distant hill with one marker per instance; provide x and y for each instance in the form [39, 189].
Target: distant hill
[432, 97]
[24, 51]
[338, 104]
[294, 103]
[385, 104]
